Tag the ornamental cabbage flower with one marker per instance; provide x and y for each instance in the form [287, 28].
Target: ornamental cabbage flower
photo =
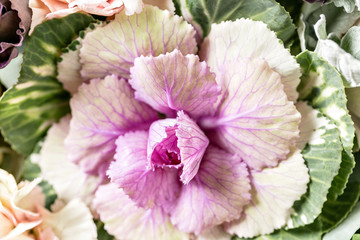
[23, 214]
[15, 19]
[203, 145]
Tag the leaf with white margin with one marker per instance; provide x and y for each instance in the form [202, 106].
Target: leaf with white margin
[181, 136]
[69, 66]
[122, 218]
[202, 14]
[66, 177]
[244, 38]
[74, 221]
[322, 85]
[347, 65]
[217, 194]
[321, 149]
[112, 49]
[343, 57]
[353, 96]
[29, 108]
[255, 119]
[274, 191]
[174, 82]
[103, 110]
[146, 187]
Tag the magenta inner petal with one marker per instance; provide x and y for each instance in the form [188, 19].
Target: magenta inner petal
[146, 187]
[177, 143]
[167, 153]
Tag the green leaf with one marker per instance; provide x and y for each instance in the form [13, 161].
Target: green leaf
[32, 171]
[340, 181]
[323, 159]
[350, 42]
[335, 211]
[102, 233]
[322, 85]
[203, 13]
[29, 108]
[304, 233]
[351, 224]
[356, 237]
[337, 21]
[10, 160]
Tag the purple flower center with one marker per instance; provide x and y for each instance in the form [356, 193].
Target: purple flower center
[167, 153]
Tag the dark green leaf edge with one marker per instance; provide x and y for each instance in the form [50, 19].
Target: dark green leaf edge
[24, 121]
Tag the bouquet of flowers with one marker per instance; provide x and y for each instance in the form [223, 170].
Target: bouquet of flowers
[183, 119]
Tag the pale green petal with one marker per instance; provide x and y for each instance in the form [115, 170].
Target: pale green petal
[112, 49]
[244, 38]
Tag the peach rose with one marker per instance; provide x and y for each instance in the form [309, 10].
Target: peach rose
[47, 9]
[19, 207]
[23, 216]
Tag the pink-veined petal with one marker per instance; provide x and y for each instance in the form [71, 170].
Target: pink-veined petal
[177, 143]
[217, 194]
[101, 112]
[174, 82]
[112, 49]
[123, 218]
[244, 38]
[255, 119]
[274, 192]
[192, 143]
[146, 187]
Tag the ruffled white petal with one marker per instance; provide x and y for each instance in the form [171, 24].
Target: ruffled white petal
[245, 38]
[274, 192]
[126, 221]
[66, 177]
